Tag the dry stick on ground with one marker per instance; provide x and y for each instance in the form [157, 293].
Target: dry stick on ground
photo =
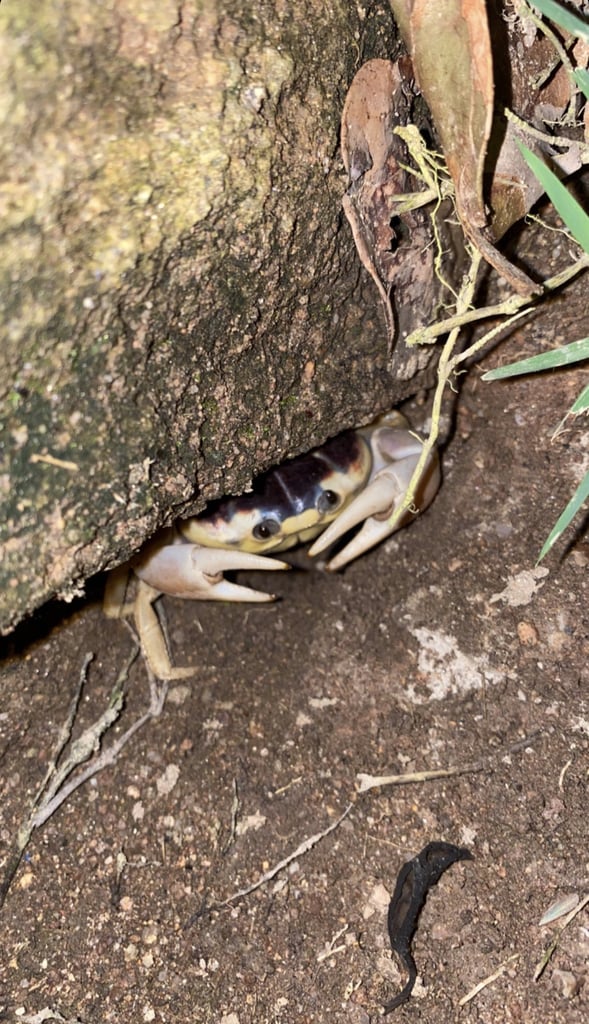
[365, 782]
[108, 757]
[234, 813]
[27, 827]
[488, 981]
[303, 848]
[57, 786]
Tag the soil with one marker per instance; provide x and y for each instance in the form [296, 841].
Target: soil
[445, 647]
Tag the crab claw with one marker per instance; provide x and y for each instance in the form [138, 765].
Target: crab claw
[193, 572]
[375, 506]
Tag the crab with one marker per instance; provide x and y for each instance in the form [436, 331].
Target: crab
[359, 476]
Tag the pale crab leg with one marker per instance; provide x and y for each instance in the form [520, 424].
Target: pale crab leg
[170, 566]
[377, 502]
[152, 637]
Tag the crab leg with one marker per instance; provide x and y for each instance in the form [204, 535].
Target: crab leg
[168, 565]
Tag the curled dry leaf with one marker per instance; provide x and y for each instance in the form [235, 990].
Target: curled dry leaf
[394, 243]
[451, 51]
[367, 143]
[486, 59]
[543, 103]
[450, 45]
[468, 72]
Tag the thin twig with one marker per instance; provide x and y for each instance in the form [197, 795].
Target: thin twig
[332, 949]
[51, 460]
[57, 785]
[563, 773]
[449, 360]
[463, 303]
[65, 733]
[27, 827]
[487, 981]
[364, 782]
[304, 847]
[90, 741]
[514, 304]
[234, 813]
[561, 141]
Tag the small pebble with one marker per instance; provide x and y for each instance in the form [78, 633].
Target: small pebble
[566, 982]
[528, 634]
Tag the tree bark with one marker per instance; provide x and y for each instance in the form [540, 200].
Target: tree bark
[183, 302]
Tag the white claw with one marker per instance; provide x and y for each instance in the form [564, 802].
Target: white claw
[224, 590]
[375, 506]
[196, 573]
[377, 497]
[371, 534]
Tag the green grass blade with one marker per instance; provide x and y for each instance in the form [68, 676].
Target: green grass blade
[581, 404]
[562, 356]
[567, 206]
[566, 19]
[577, 222]
[581, 494]
[582, 80]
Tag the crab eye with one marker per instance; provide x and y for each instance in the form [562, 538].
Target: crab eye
[265, 529]
[327, 501]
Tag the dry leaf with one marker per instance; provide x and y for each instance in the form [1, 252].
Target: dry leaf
[450, 45]
[394, 246]
[451, 51]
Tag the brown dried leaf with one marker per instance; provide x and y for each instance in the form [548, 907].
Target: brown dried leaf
[450, 46]
[456, 77]
[395, 248]
[367, 142]
[541, 92]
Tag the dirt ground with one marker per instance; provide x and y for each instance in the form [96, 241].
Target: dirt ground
[443, 648]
